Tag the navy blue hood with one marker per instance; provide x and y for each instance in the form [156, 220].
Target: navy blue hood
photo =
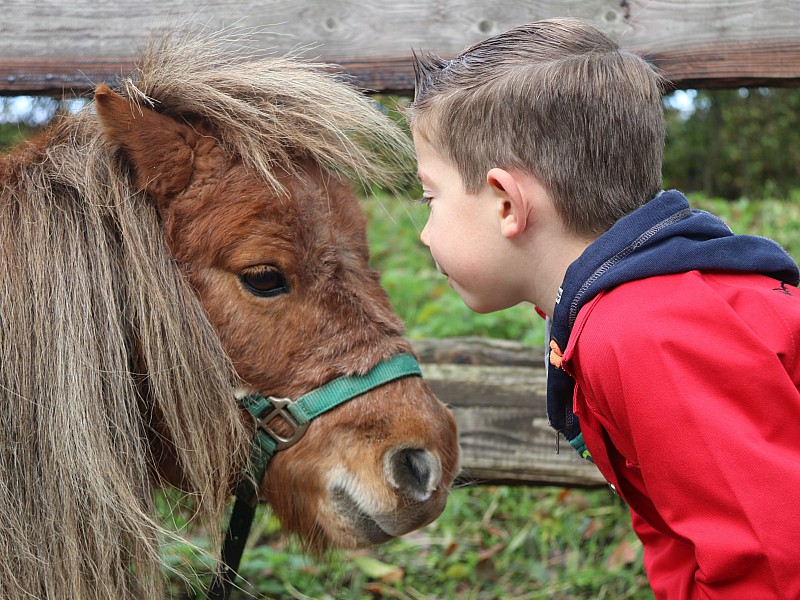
[664, 236]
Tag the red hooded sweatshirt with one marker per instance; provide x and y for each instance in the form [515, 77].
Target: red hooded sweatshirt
[685, 388]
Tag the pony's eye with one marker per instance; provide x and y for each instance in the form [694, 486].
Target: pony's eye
[264, 281]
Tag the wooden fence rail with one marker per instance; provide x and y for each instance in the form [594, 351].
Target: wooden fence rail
[496, 390]
[67, 46]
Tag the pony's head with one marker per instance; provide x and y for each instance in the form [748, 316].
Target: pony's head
[187, 236]
[279, 261]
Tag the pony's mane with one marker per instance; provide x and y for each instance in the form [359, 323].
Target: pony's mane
[271, 111]
[91, 298]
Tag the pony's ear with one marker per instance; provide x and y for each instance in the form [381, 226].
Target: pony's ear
[160, 149]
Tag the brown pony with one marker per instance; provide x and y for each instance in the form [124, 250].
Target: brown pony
[185, 237]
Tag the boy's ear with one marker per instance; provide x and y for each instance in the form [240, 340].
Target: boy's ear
[514, 206]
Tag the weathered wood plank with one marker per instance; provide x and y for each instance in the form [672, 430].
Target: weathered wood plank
[52, 46]
[496, 390]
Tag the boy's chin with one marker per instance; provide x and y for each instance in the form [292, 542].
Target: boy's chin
[481, 303]
[483, 306]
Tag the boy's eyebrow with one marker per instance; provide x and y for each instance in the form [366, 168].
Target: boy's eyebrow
[422, 177]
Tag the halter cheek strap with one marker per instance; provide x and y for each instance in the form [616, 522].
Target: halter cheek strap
[297, 414]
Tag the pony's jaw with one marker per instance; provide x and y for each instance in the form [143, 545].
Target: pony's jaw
[369, 522]
[367, 491]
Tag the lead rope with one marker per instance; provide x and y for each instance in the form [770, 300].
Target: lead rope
[232, 549]
[297, 414]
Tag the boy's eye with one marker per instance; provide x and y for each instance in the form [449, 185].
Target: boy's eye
[425, 200]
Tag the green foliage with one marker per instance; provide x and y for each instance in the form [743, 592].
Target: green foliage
[735, 143]
[22, 116]
[506, 542]
[12, 134]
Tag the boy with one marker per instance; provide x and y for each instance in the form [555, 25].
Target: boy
[675, 345]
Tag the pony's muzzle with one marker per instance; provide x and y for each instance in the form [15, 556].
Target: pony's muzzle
[413, 472]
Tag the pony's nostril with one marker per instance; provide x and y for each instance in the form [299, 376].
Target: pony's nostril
[414, 472]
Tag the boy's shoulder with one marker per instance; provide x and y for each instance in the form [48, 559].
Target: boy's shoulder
[664, 339]
[707, 307]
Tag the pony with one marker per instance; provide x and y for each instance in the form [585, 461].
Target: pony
[190, 237]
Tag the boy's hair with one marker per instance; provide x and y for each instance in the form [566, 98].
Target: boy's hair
[557, 99]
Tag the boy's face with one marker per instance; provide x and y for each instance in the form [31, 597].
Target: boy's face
[463, 233]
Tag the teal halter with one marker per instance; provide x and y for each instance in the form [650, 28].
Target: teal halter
[298, 413]
[267, 442]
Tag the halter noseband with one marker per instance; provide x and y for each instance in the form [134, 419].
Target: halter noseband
[297, 414]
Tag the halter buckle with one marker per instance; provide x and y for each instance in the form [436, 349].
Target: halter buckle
[280, 409]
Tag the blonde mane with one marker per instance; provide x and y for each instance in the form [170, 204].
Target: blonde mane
[100, 334]
[271, 111]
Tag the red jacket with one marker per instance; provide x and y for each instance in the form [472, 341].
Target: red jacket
[688, 395]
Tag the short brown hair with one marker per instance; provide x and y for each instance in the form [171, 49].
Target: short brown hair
[557, 99]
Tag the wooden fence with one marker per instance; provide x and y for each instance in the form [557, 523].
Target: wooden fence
[67, 46]
[496, 389]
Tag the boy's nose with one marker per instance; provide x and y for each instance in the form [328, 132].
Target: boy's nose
[425, 236]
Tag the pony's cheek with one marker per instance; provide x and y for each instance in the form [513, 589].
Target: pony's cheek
[356, 482]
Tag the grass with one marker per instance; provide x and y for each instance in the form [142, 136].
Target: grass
[509, 543]
[491, 543]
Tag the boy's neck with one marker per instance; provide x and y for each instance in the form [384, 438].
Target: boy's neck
[552, 259]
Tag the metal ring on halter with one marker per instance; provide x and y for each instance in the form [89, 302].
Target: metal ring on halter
[280, 409]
